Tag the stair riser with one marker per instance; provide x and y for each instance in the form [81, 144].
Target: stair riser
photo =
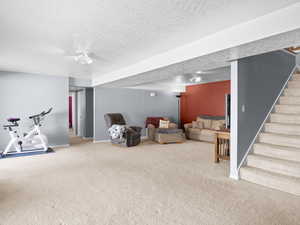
[277, 153]
[271, 182]
[274, 167]
[291, 119]
[284, 141]
[292, 92]
[282, 129]
[294, 84]
[287, 109]
[296, 77]
[289, 100]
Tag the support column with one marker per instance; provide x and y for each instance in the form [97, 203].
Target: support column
[234, 121]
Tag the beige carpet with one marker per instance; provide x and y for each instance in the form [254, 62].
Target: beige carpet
[149, 184]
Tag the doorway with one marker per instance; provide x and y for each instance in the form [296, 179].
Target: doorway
[81, 114]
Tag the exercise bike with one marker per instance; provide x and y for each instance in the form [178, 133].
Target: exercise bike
[32, 142]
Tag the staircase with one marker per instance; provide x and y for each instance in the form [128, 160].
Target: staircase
[275, 161]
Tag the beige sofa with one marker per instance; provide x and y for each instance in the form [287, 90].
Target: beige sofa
[203, 129]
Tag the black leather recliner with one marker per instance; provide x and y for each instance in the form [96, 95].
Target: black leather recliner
[132, 135]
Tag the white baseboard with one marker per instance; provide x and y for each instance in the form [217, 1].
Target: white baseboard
[60, 146]
[108, 140]
[101, 141]
[87, 138]
[234, 174]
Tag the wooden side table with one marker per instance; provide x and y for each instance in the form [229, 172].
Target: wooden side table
[222, 145]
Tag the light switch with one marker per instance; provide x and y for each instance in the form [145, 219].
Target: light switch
[243, 108]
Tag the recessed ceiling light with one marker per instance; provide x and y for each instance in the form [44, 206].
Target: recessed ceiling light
[196, 79]
[199, 72]
[152, 94]
[178, 79]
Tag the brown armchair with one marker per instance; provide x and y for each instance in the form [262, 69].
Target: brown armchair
[132, 133]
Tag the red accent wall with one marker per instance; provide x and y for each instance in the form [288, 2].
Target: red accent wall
[208, 99]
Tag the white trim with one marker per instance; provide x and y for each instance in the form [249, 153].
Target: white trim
[87, 138]
[234, 174]
[286, 51]
[267, 116]
[234, 121]
[59, 146]
[101, 141]
[108, 140]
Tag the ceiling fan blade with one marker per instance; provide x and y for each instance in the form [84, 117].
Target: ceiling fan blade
[97, 57]
[81, 43]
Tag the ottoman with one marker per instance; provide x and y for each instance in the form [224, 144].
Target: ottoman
[169, 135]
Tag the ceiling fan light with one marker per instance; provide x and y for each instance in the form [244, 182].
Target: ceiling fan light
[76, 58]
[83, 59]
[89, 60]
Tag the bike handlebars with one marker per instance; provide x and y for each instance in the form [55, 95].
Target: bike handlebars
[45, 113]
[41, 114]
[36, 119]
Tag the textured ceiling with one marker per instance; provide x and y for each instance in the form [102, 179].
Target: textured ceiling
[178, 83]
[37, 34]
[165, 77]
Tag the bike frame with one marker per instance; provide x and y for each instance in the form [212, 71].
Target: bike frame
[15, 139]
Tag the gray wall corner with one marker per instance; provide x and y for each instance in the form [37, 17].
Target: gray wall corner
[135, 105]
[260, 80]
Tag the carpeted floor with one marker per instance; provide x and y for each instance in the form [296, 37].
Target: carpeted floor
[152, 184]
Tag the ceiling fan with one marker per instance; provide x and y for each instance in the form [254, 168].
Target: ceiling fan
[83, 57]
[79, 51]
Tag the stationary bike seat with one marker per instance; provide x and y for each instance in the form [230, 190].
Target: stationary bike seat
[12, 120]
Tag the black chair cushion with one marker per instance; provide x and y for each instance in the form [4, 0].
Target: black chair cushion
[114, 118]
[12, 120]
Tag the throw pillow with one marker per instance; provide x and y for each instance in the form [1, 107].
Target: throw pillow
[151, 126]
[197, 124]
[205, 122]
[217, 124]
[164, 123]
[200, 124]
[194, 124]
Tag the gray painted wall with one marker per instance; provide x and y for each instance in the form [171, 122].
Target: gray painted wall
[89, 128]
[135, 105]
[22, 95]
[298, 59]
[84, 101]
[260, 80]
[79, 82]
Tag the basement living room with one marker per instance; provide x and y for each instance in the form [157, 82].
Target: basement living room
[149, 112]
